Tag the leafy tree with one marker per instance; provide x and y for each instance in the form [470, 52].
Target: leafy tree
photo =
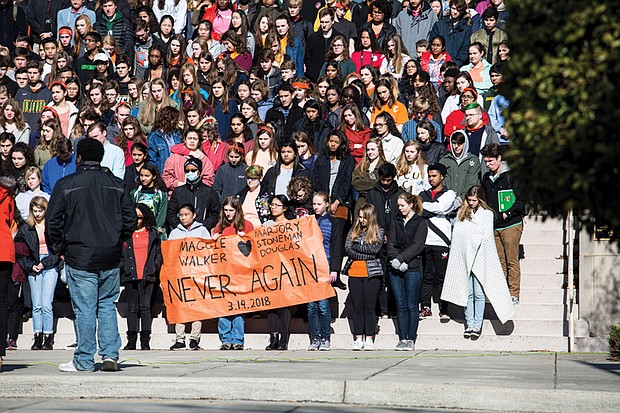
[564, 114]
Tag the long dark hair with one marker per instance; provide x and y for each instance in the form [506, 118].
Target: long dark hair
[158, 181]
[343, 150]
[278, 166]
[148, 219]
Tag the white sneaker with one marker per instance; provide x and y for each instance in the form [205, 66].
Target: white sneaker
[358, 345]
[67, 367]
[369, 345]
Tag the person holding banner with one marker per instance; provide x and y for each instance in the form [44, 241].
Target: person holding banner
[363, 245]
[188, 228]
[231, 329]
[279, 319]
[142, 261]
[253, 210]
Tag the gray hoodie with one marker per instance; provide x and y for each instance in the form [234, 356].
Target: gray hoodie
[463, 171]
[196, 230]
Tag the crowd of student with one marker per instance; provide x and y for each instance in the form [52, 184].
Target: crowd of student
[382, 118]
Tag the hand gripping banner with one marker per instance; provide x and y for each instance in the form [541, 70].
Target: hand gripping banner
[271, 267]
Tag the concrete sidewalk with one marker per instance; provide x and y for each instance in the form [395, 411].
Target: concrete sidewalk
[545, 382]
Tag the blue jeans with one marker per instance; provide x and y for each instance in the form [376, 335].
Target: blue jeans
[406, 288]
[231, 329]
[93, 295]
[319, 318]
[42, 286]
[474, 312]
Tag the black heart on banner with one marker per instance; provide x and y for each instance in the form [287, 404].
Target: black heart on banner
[245, 247]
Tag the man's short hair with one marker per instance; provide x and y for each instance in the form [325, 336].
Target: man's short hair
[490, 12]
[497, 68]
[90, 150]
[288, 65]
[327, 11]
[96, 125]
[48, 40]
[266, 55]
[139, 24]
[94, 35]
[287, 87]
[90, 114]
[63, 146]
[491, 150]
[33, 64]
[21, 52]
[123, 59]
[458, 137]
[438, 167]
[387, 170]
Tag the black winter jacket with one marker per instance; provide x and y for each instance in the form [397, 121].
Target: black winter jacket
[203, 198]
[275, 114]
[406, 241]
[28, 235]
[457, 39]
[385, 203]
[342, 187]
[154, 260]
[37, 16]
[89, 217]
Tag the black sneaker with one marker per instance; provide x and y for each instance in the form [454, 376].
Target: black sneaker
[475, 334]
[237, 346]
[467, 333]
[193, 345]
[226, 346]
[178, 345]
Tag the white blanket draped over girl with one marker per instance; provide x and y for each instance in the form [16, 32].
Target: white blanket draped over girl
[473, 251]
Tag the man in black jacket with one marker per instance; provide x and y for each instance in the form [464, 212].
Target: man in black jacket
[318, 44]
[194, 192]
[509, 206]
[89, 217]
[13, 21]
[42, 18]
[286, 113]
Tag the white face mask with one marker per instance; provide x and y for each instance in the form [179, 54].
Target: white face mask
[191, 176]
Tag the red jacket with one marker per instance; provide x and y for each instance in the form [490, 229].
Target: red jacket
[174, 169]
[7, 211]
[456, 121]
[357, 142]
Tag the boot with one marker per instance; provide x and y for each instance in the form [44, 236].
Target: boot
[48, 344]
[38, 342]
[283, 343]
[132, 337]
[273, 342]
[339, 284]
[145, 338]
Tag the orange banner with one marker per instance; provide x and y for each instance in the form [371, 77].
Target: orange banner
[271, 267]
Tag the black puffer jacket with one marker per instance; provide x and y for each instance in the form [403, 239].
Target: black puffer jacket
[154, 260]
[89, 217]
[28, 235]
[203, 198]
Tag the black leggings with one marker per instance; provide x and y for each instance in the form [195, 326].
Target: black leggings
[364, 293]
[139, 294]
[6, 269]
[279, 321]
[15, 307]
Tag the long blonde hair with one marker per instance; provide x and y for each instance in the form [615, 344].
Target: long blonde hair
[372, 226]
[403, 167]
[365, 162]
[39, 202]
[466, 212]
[150, 107]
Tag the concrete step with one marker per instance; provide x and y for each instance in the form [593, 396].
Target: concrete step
[542, 296]
[542, 266]
[487, 342]
[541, 236]
[544, 251]
[542, 281]
[536, 222]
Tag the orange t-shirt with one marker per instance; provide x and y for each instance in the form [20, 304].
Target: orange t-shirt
[398, 111]
[358, 269]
